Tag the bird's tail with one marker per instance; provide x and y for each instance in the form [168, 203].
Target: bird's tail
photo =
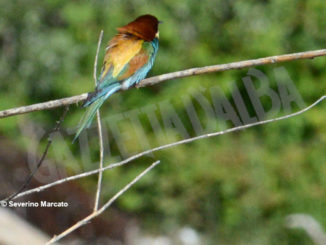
[94, 102]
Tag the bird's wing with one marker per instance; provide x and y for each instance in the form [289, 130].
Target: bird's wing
[114, 74]
[120, 51]
[137, 62]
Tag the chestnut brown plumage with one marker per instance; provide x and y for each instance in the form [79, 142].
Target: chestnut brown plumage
[144, 27]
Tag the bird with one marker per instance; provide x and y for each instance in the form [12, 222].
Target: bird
[129, 56]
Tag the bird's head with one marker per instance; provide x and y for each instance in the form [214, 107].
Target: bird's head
[144, 27]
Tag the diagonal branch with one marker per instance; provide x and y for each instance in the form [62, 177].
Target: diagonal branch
[185, 141]
[43, 106]
[31, 175]
[173, 75]
[232, 66]
[103, 208]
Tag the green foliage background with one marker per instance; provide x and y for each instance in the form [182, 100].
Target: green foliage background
[236, 188]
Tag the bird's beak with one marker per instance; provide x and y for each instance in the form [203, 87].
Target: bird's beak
[157, 35]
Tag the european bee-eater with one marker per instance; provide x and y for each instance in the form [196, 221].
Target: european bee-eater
[129, 56]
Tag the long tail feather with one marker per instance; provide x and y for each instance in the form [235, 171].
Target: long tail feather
[87, 118]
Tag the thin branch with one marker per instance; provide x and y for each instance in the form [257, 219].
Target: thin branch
[100, 174]
[31, 175]
[96, 56]
[232, 66]
[178, 74]
[105, 206]
[44, 105]
[185, 141]
[99, 128]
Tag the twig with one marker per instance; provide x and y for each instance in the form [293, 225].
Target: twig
[178, 74]
[85, 174]
[104, 207]
[99, 128]
[309, 224]
[31, 175]
[96, 56]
